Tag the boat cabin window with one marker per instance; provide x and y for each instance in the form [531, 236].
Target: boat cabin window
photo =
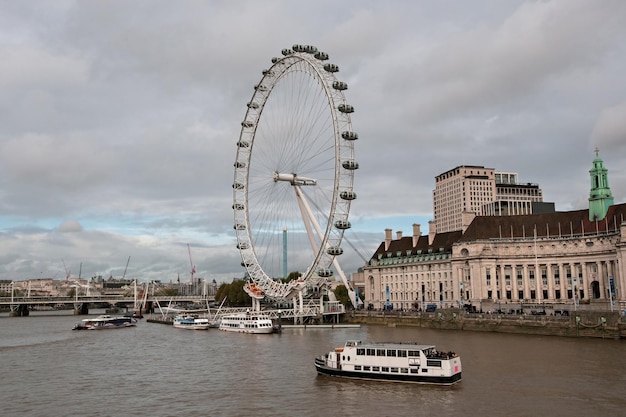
[394, 370]
[391, 352]
[414, 352]
[404, 370]
[375, 368]
[380, 352]
[371, 352]
[434, 363]
[401, 353]
[385, 369]
[360, 352]
[414, 371]
[357, 367]
[366, 368]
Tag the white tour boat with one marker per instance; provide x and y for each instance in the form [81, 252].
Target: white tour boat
[247, 323]
[192, 322]
[105, 322]
[399, 362]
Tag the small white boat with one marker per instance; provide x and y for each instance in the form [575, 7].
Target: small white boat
[247, 323]
[397, 362]
[191, 322]
[105, 322]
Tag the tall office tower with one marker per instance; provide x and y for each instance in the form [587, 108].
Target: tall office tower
[464, 189]
[467, 191]
[513, 198]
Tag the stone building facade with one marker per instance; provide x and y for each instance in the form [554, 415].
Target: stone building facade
[539, 262]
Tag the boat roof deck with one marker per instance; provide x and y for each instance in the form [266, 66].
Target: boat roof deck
[388, 345]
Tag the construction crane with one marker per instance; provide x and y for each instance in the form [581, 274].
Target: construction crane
[68, 273]
[125, 269]
[193, 267]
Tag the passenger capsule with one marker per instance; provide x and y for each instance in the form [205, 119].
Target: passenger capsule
[260, 87]
[253, 105]
[324, 273]
[310, 49]
[275, 60]
[342, 224]
[266, 72]
[287, 52]
[246, 264]
[243, 144]
[240, 226]
[240, 164]
[334, 251]
[331, 67]
[347, 195]
[238, 186]
[322, 56]
[242, 245]
[238, 206]
[340, 85]
[348, 135]
[247, 123]
[345, 108]
[298, 48]
[350, 165]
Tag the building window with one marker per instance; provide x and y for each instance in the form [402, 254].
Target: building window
[488, 276]
[557, 277]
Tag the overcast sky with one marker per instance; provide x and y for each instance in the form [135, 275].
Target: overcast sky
[119, 119]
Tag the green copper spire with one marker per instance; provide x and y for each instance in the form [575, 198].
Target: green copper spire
[600, 197]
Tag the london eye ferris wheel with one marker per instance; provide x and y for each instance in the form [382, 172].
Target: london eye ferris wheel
[293, 176]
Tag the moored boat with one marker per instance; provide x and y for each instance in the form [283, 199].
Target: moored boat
[398, 362]
[105, 321]
[191, 322]
[247, 323]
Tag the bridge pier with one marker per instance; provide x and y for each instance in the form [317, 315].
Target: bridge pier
[81, 309]
[19, 310]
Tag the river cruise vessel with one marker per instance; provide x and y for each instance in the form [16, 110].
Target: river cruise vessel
[247, 323]
[191, 322]
[105, 322]
[397, 362]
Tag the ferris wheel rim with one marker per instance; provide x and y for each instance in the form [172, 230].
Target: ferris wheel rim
[342, 194]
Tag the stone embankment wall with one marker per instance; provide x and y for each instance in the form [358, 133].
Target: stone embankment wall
[610, 325]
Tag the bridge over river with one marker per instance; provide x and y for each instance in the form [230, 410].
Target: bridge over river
[161, 305]
[20, 306]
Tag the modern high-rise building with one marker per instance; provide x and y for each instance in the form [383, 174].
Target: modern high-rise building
[468, 190]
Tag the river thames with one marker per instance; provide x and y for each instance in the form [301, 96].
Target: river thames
[156, 370]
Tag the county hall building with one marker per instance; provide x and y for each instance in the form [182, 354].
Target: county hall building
[542, 260]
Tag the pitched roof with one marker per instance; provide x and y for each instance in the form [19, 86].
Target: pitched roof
[405, 244]
[557, 224]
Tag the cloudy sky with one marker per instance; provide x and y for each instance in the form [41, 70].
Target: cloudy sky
[118, 119]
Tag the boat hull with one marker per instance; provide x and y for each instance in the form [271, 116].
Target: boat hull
[106, 322]
[192, 326]
[246, 323]
[191, 323]
[377, 376]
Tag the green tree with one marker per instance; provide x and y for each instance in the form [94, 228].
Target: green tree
[234, 294]
[341, 293]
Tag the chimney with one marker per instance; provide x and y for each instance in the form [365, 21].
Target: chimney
[399, 234]
[387, 238]
[416, 233]
[432, 231]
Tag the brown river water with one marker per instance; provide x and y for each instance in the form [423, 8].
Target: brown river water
[46, 369]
